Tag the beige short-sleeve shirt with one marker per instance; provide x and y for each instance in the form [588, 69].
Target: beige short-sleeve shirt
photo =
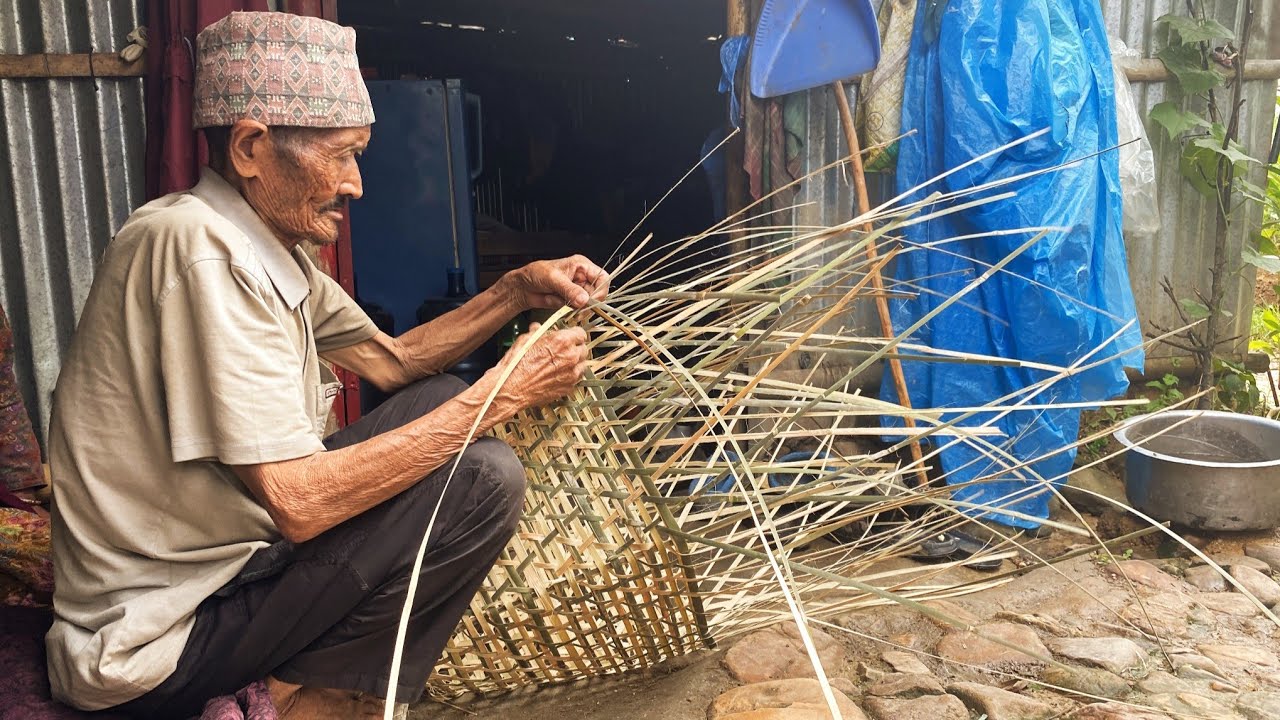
[198, 348]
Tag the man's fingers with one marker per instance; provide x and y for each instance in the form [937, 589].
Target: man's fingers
[578, 298]
[593, 278]
[599, 283]
[573, 281]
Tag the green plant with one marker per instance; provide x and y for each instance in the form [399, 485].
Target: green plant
[1263, 254]
[1264, 330]
[1216, 165]
[1264, 337]
[1269, 198]
[1237, 388]
[1102, 559]
[1161, 393]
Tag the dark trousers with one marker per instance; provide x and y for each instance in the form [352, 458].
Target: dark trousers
[324, 613]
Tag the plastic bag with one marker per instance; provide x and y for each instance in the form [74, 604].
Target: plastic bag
[1137, 161]
[881, 89]
[980, 74]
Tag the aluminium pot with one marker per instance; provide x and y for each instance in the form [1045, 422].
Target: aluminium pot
[1203, 469]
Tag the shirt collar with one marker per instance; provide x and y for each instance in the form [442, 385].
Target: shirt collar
[285, 273]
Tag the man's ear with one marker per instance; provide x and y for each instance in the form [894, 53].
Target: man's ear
[247, 148]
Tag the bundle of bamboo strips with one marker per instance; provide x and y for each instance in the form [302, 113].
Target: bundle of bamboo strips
[678, 497]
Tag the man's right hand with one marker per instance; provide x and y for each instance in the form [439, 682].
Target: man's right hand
[545, 371]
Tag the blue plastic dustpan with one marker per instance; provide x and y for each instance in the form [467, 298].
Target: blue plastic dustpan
[802, 44]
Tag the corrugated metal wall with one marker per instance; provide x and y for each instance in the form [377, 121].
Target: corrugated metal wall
[1183, 249]
[71, 171]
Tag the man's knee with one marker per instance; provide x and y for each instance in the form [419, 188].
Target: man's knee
[494, 460]
[407, 405]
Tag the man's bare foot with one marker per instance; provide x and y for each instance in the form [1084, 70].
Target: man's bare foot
[295, 702]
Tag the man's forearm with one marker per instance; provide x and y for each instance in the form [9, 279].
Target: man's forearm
[438, 345]
[307, 496]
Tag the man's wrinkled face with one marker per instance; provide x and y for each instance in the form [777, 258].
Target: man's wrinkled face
[306, 176]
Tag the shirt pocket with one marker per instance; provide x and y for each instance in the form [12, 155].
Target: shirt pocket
[325, 393]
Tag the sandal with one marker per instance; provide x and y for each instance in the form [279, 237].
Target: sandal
[952, 545]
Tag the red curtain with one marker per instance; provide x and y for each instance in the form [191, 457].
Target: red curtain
[174, 149]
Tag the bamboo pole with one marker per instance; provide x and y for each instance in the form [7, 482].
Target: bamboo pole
[877, 281]
[1152, 70]
[73, 65]
[735, 182]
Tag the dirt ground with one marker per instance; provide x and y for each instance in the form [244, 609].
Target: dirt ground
[1082, 597]
[1265, 289]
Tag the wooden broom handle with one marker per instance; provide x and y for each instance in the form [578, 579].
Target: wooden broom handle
[877, 281]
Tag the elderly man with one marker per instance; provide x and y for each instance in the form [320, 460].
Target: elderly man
[206, 537]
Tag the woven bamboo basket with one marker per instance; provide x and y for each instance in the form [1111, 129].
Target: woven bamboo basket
[589, 584]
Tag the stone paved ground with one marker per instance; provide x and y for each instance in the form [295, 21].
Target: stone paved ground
[1165, 634]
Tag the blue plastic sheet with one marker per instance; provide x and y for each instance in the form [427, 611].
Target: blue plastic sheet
[980, 74]
[733, 55]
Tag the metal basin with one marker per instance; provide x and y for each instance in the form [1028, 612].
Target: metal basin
[1204, 470]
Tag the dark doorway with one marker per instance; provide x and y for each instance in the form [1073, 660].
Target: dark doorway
[592, 110]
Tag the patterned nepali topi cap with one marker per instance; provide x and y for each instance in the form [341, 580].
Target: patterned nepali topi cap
[279, 69]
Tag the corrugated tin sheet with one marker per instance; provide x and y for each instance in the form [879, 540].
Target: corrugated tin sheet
[71, 165]
[827, 198]
[1183, 250]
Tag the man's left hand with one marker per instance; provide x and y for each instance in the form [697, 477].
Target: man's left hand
[550, 284]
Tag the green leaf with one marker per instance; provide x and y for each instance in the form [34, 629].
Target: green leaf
[1187, 65]
[1193, 309]
[1175, 120]
[1233, 152]
[1200, 167]
[1266, 263]
[1200, 157]
[1194, 30]
[1254, 192]
[1271, 318]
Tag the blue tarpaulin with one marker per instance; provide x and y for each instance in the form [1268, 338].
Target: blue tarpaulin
[980, 74]
[733, 55]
